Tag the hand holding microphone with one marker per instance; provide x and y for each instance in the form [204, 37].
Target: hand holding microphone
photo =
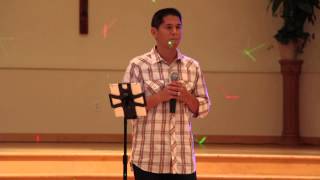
[174, 76]
[174, 91]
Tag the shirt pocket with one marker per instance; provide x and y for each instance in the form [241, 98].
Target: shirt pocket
[153, 86]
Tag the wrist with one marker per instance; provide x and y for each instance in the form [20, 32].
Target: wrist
[188, 98]
[159, 97]
[192, 102]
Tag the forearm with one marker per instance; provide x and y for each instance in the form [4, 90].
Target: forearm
[153, 101]
[192, 103]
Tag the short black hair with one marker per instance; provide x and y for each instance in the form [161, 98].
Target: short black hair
[157, 18]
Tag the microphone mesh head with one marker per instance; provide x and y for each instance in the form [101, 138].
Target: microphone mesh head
[174, 76]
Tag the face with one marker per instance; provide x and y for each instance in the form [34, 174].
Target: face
[169, 30]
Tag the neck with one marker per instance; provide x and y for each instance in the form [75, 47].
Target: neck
[169, 55]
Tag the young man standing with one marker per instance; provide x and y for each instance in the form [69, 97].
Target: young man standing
[162, 144]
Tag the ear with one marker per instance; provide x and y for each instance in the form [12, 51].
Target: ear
[154, 31]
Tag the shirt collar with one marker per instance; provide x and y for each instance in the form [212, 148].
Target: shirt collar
[157, 58]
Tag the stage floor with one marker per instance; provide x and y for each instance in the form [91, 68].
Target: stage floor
[114, 148]
[103, 161]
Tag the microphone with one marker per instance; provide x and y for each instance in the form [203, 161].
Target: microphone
[174, 76]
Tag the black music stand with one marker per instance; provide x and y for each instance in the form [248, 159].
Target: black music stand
[128, 101]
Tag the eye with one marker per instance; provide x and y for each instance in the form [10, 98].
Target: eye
[169, 27]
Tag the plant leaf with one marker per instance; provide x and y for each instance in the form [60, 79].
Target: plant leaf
[305, 6]
[275, 5]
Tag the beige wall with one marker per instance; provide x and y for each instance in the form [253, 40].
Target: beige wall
[53, 80]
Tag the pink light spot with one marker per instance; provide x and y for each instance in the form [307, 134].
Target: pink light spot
[105, 31]
[107, 27]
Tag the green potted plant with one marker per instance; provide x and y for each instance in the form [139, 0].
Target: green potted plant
[292, 39]
[292, 36]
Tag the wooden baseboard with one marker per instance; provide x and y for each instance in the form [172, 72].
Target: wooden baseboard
[118, 138]
[69, 138]
[311, 141]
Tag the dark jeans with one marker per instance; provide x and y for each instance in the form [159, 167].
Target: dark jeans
[140, 174]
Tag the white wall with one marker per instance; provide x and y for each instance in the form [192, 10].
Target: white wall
[54, 80]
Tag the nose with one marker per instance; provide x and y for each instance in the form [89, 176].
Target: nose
[175, 30]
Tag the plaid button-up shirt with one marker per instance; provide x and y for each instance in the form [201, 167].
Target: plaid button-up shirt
[151, 139]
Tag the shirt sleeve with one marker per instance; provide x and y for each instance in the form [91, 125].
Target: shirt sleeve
[132, 74]
[201, 93]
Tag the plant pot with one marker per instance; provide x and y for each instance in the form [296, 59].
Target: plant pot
[291, 70]
[288, 51]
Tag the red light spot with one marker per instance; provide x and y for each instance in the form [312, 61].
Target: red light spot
[228, 97]
[37, 138]
[231, 97]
